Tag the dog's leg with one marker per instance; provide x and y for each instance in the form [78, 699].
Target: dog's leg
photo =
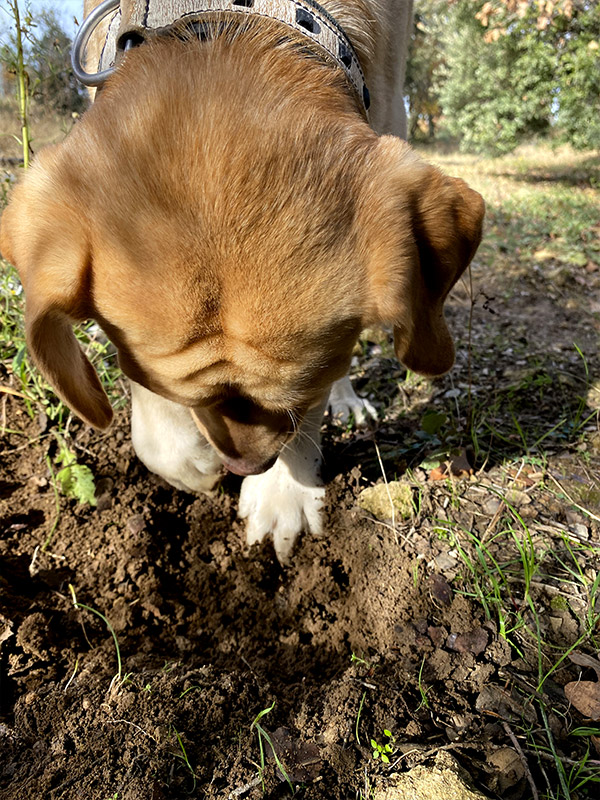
[287, 499]
[168, 442]
[344, 403]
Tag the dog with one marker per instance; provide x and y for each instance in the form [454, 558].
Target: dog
[232, 220]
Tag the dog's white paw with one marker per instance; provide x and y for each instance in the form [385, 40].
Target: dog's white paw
[276, 503]
[167, 441]
[344, 404]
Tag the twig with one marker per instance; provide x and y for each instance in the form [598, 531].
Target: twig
[387, 488]
[435, 750]
[570, 499]
[13, 392]
[245, 788]
[569, 761]
[519, 750]
[387, 525]
[133, 725]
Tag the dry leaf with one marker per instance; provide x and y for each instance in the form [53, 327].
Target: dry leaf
[585, 696]
[438, 473]
[460, 465]
[301, 760]
[583, 660]
[510, 767]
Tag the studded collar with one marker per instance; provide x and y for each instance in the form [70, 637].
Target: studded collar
[151, 18]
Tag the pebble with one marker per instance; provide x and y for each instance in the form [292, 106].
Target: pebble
[136, 524]
[104, 502]
[517, 498]
[580, 530]
[491, 505]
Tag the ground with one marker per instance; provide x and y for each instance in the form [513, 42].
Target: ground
[146, 652]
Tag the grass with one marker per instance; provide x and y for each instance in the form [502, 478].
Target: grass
[95, 611]
[506, 574]
[263, 737]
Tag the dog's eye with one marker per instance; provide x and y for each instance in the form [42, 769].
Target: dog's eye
[245, 3]
[307, 21]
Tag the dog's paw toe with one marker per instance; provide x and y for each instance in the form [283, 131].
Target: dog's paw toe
[345, 405]
[360, 410]
[275, 504]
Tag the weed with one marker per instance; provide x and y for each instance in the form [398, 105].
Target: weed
[184, 757]
[189, 689]
[79, 605]
[422, 690]
[384, 751]
[360, 708]
[263, 735]
[22, 28]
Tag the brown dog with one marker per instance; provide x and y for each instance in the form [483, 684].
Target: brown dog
[227, 215]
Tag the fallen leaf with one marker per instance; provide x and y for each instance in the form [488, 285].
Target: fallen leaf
[583, 660]
[585, 696]
[509, 766]
[460, 465]
[301, 760]
[438, 473]
[514, 497]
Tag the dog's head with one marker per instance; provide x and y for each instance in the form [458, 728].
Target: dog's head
[233, 249]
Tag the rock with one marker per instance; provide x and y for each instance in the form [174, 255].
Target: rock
[491, 505]
[443, 781]
[580, 530]
[444, 562]
[473, 642]
[516, 498]
[136, 524]
[509, 767]
[104, 502]
[376, 500]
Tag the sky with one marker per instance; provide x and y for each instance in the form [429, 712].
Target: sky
[65, 10]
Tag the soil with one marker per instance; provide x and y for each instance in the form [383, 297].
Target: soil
[372, 628]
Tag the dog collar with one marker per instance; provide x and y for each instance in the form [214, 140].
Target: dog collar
[151, 18]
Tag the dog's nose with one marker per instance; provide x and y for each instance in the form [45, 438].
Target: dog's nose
[243, 466]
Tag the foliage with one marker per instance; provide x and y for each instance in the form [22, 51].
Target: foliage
[383, 751]
[75, 480]
[15, 60]
[504, 70]
[423, 68]
[45, 48]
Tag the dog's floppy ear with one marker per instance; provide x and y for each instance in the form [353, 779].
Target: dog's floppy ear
[423, 229]
[43, 235]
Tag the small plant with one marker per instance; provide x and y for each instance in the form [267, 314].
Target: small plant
[263, 735]
[384, 751]
[75, 480]
[79, 605]
[422, 689]
[184, 757]
[22, 28]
